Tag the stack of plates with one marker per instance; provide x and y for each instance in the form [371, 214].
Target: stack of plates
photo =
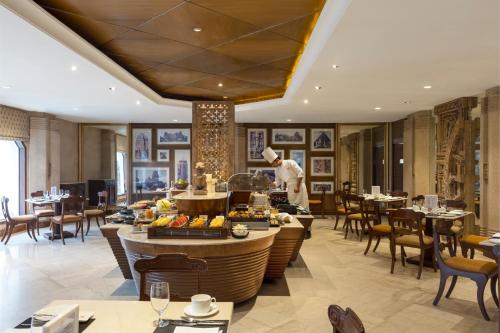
[496, 238]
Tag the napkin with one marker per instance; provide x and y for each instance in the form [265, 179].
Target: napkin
[187, 329]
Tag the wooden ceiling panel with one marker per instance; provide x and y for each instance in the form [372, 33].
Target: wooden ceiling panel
[95, 32]
[250, 46]
[178, 24]
[260, 47]
[263, 13]
[129, 13]
[148, 47]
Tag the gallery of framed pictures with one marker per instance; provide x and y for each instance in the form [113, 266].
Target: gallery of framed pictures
[312, 146]
[161, 156]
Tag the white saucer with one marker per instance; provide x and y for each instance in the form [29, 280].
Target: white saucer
[214, 308]
[495, 240]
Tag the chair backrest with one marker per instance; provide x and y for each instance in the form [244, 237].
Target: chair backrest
[355, 203]
[37, 194]
[399, 204]
[344, 321]
[337, 198]
[418, 199]
[441, 228]
[455, 204]
[409, 223]
[73, 204]
[103, 200]
[171, 263]
[5, 208]
[346, 187]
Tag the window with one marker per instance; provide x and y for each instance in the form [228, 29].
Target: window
[12, 175]
[121, 158]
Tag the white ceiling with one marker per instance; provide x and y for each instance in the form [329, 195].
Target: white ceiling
[387, 51]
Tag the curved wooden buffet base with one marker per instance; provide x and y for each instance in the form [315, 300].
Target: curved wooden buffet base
[210, 204]
[236, 267]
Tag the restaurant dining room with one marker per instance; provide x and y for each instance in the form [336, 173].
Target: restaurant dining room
[215, 166]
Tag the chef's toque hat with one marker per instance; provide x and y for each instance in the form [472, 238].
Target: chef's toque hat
[269, 154]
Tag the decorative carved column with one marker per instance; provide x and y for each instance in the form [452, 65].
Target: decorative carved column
[213, 136]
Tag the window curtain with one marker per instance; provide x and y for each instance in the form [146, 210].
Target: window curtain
[14, 124]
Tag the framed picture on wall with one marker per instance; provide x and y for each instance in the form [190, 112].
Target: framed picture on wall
[173, 136]
[163, 155]
[182, 164]
[280, 153]
[141, 141]
[321, 166]
[317, 187]
[270, 173]
[149, 179]
[256, 143]
[299, 156]
[289, 136]
[322, 139]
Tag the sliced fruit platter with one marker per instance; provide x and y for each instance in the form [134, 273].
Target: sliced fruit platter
[247, 216]
[181, 226]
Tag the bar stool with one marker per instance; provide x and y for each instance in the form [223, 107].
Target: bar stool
[12, 222]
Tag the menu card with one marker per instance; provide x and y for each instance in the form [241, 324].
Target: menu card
[431, 201]
[375, 190]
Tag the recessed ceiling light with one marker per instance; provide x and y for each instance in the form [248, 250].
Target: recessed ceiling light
[406, 102]
[335, 66]
[6, 87]
[225, 97]
[377, 108]
[75, 109]
[220, 84]
[306, 101]
[138, 102]
[73, 68]
[289, 120]
[175, 120]
[317, 87]
[112, 88]
[197, 29]
[427, 87]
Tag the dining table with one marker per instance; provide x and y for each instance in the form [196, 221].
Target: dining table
[119, 316]
[380, 201]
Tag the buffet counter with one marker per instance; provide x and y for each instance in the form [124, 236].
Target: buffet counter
[236, 267]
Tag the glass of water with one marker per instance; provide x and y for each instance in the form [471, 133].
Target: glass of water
[160, 297]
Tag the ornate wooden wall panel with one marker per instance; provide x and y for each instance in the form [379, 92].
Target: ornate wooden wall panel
[454, 156]
[213, 137]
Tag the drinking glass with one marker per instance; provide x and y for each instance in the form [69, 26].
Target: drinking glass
[160, 297]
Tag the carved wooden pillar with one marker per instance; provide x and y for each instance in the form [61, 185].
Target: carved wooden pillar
[455, 150]
[213, 137]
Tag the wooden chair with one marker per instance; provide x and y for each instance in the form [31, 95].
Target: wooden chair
[410, 233]
[40, 210]
[344, 321]
[181, 288]
[346, 187]
[320, 202]
[12, 221]
[393, 206]
[457, 230]
[339, 207]
[100, 212]
[71, 212]
[419, 199]
[377, 230]
[358, 212]
[480, 271]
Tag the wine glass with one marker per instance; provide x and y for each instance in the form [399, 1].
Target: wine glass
[160, 297]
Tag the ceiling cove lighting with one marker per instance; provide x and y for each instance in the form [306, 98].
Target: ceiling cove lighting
[427, 87]
[197, 29]
[74, 68]
[335, 66]
[377, 108]
[306, 101]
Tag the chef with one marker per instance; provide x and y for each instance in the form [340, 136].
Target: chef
[289, 172]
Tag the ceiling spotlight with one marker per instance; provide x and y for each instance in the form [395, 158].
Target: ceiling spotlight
[138, 102]
[289, 120]
[197, 29]
[220, 84]
[406, 102]
[335, 66]
[317, 87]
[306, 101]
[73, 68]
[427, 87]
[175, 120]
[6, 87]
[225, 97]
[112, 88]
[75, 109]
[377, 108]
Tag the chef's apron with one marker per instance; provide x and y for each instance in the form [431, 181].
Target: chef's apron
[300, 198]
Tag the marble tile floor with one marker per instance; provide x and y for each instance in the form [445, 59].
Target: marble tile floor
[329, 270]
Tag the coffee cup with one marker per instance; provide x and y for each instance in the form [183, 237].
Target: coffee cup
[200, 303]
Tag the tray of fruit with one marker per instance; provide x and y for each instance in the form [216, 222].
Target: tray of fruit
[182, 227]
[246, 216]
